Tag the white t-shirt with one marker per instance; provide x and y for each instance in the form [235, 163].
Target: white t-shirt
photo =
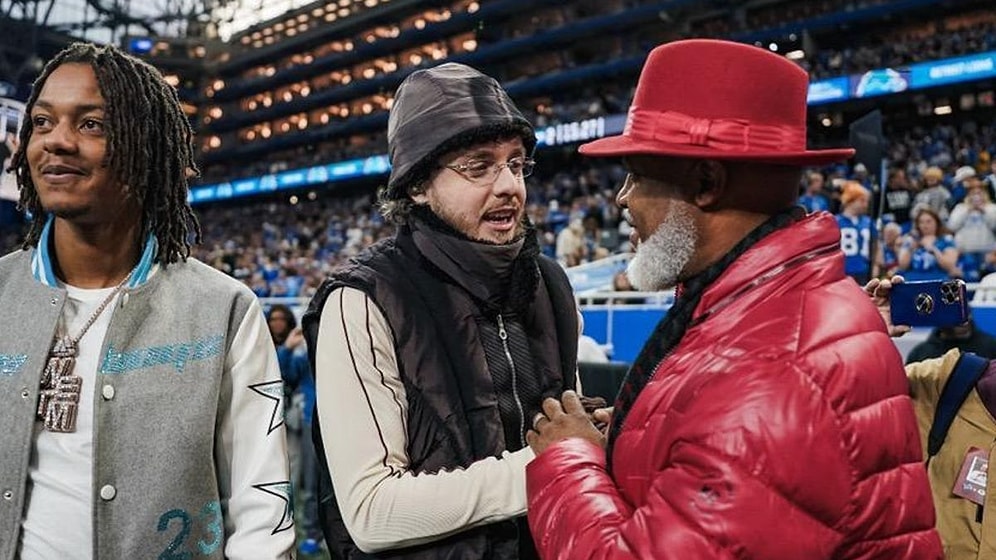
[58, 521]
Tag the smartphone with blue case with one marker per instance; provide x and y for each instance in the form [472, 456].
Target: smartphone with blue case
[932, 303]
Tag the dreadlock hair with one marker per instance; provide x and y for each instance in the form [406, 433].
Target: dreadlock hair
[149, 146]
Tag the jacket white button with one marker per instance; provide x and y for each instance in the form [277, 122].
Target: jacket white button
[8, 495]
[55, 300]
[107, 492]
[108, 392]
[25, 393]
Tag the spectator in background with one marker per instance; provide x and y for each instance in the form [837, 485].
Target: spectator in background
[928, 252]
[966, 338]
[934, 195]
[899, 197]
[973, 222]
[813, 199]
[571, 247]
[861, 176]
[593, 248]
[855, 231]
[887, 260]
[963, 177]
[299, 396]
[966, 527]
[990, 181]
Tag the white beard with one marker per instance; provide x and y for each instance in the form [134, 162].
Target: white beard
[660, 259]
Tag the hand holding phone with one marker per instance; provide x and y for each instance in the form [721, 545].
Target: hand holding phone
[933, 303]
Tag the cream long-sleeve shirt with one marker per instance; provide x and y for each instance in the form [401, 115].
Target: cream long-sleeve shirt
[362, 410]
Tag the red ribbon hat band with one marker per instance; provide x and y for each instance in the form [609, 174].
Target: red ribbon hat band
[726, 135]
[703, 98]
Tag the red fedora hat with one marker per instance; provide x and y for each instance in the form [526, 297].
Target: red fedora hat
[702, 98]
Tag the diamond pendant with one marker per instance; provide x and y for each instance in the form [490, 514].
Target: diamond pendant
[58, 401]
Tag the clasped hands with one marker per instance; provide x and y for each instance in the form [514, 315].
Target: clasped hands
[565, 419]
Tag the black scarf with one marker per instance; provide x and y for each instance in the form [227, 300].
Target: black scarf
[670, 330]
[497, 277]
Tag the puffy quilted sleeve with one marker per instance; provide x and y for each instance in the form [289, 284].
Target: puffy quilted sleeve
[577, 512]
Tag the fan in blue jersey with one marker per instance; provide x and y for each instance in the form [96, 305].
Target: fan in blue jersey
[855, 230]
[928, 252]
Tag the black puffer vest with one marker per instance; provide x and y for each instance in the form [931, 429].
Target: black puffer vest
[469, 402]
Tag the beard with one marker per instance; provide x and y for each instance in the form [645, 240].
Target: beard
[660, 259]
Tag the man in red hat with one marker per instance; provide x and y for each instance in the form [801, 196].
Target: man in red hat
[767, 416]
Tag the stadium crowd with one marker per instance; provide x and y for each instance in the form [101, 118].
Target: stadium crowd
[904, 44]
[285, 249]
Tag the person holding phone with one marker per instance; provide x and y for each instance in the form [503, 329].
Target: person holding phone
[966, 511]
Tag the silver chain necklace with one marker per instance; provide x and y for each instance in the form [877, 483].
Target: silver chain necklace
[59, 395]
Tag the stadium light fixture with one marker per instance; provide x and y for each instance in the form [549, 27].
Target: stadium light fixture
[797, 54]
[942, 110]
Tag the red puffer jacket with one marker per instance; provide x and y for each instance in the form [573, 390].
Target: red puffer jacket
[780, 427]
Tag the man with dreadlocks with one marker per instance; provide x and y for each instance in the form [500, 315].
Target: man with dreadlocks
[139, 392]
[767, 417]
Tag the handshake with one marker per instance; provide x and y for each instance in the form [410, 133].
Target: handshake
[572, 416]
